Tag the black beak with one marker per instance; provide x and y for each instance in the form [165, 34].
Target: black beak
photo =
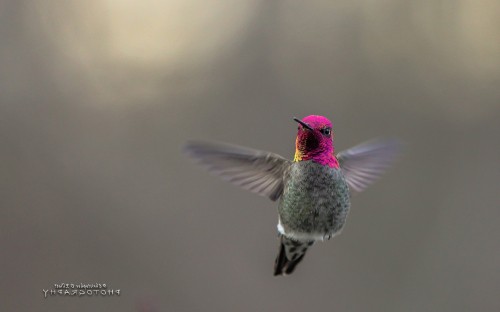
[302, 123]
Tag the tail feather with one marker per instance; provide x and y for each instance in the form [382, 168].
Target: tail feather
[290, 254]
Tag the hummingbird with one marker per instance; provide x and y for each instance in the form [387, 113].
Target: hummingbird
[313, 190]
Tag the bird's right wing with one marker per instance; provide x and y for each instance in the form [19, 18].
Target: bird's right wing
[257, 171]
[365, 163]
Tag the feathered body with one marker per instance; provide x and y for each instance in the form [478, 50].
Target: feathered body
[315, 201]
[314, 206]
[313, 190]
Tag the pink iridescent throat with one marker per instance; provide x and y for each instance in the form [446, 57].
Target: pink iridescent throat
[324, 155]
[330, 161]
[325, 159]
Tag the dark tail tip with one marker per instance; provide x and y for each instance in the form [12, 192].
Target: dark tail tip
[284, 266]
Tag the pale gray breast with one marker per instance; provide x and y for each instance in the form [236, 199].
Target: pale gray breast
[315, 199]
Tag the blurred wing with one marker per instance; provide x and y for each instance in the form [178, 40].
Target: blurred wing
[257, 171]
[365, 163]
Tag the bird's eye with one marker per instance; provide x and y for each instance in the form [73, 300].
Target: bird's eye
[326, 131]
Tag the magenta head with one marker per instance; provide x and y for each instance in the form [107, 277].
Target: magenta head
[315, 140]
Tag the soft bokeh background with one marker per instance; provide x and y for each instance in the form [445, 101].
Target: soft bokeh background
[98, 97]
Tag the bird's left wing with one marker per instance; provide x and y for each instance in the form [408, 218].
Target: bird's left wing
[365, 163]
[257, 171]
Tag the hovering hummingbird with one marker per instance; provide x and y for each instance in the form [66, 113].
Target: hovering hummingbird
[313, 190]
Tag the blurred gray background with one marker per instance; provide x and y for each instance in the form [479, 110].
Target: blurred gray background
[98, 97]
